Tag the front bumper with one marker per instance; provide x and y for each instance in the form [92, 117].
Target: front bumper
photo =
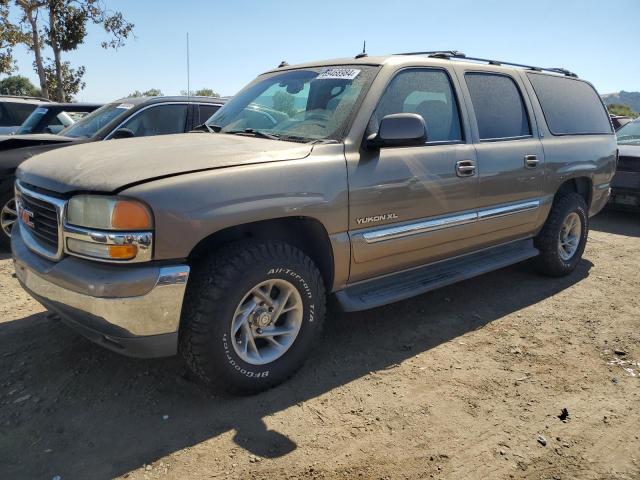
[132, 309]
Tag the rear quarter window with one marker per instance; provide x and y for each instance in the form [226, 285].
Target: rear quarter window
[570, 106]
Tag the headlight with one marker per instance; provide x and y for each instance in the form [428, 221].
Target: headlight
[108, 228]
[108, 213]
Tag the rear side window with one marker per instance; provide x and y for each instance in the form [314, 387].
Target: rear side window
[497, 103]
[202, 113]
[21, 111]
[570, 107]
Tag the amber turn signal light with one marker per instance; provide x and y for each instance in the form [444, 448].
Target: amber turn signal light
[122, 252]
[130, 215]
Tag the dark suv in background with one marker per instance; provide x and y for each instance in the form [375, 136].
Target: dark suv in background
[125, 118]
[15, 110]
[625, 187]
[55, 117]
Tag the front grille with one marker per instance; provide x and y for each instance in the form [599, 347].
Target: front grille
[43, 221]
[629, 164]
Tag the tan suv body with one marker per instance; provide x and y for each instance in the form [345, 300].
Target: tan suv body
[375, 178]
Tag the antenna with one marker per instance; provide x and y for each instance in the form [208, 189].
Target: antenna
[364, 50]
[188, 69]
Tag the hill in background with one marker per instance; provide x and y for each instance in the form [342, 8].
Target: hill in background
[631, 99]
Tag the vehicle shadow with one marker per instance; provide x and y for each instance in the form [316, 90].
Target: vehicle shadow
[90, 410]
[618, 222]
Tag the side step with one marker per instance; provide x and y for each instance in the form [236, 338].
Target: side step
[400, 286]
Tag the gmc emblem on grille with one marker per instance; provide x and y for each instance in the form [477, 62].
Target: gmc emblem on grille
[26, 216]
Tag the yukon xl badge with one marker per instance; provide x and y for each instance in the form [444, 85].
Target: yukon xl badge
[376, 218]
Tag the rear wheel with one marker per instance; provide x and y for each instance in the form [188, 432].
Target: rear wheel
[564, 236]
[253, 311]
[8, 217]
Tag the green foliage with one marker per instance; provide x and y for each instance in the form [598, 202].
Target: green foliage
[152, 92]
[619, 109]
[10, 36]
[202, 92]
[631, 99]
[284, 102]
[18, 85]
[60, 25]
[72, 81]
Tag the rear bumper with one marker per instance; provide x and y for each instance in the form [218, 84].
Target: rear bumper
[133, 310]
[625, 190]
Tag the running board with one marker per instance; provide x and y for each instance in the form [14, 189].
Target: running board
[400, 286]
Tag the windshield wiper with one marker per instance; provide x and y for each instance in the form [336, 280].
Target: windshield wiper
[252, 131]
[208, 128]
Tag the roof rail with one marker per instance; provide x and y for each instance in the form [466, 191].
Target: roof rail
[454, 54]
[26, 97]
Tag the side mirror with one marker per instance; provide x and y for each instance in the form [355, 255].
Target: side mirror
[123, 133]
[399, 130]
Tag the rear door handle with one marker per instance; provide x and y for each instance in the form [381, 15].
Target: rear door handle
[465, 168]
[531, 161]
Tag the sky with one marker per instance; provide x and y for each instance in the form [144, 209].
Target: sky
[233, 41]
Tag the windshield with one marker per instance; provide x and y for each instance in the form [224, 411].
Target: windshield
[310, 104]
[89, 125]
[629, 134]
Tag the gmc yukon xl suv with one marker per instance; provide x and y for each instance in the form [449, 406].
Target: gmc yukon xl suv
[372, 179]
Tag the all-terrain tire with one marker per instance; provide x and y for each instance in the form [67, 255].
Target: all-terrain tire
[216, 288]
[550, 261]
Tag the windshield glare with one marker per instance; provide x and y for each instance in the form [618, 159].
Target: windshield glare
[89, 125]
[629, 134]
[310, 104]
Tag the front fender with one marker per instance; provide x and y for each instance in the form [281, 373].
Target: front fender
[191, 207]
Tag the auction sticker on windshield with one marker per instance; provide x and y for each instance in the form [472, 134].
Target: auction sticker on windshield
[338, 74]
[126, 106]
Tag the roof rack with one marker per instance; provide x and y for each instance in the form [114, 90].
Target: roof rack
[454, 54]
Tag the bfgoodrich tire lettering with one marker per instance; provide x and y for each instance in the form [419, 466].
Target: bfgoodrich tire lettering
[218, 286]
[550, 261]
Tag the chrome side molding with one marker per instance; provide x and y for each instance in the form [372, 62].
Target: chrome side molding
[390, 233]
[508, 210]
[421, 227]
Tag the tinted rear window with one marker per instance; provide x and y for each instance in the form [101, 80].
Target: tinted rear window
[498, 105]
[570, 107]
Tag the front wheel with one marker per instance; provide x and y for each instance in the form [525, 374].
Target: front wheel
[564, 236]
[8, 217]
[253, 311]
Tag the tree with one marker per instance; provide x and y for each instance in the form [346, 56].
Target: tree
[33, 40]
[152, 92]
[62, 26]
[72, 81]
[18, 85]
[620, 109]
[9, 38]
[203, 92]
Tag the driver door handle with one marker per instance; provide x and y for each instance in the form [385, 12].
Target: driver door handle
[531, 161]
[465, 168]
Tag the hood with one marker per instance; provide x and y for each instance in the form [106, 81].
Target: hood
[108, 166]
[9, 142]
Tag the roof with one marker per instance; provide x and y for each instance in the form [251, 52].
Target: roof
[79, 104]
[25, 99]
[177, 98]
[428, 58]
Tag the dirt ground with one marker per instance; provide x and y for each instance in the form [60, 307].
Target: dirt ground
[462, 383]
